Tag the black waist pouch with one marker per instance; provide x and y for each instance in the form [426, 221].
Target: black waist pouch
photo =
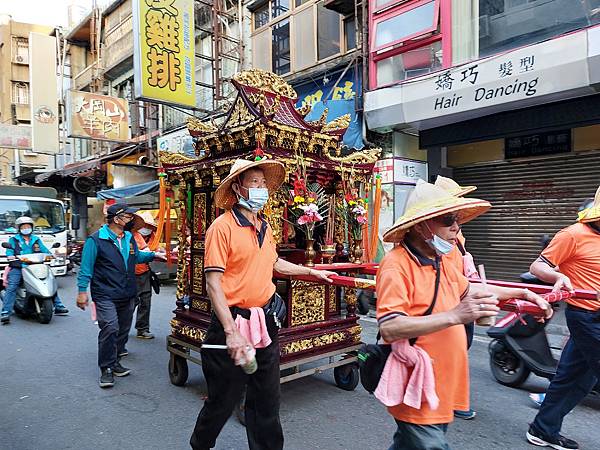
[277, 309]
[371, 362]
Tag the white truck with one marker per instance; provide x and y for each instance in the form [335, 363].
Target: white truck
[48, 214]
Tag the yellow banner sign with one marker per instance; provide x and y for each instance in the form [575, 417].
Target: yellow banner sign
[164, 51]
[95, 116]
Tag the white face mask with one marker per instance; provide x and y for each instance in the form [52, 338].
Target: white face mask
[439, 245]
[145, 231]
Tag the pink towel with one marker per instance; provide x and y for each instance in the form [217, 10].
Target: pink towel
[255, 329]
[398, 385]
[470, 271]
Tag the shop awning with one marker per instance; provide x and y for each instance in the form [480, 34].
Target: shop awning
[135, 190]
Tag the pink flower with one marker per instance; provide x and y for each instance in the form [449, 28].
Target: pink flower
[361, 219]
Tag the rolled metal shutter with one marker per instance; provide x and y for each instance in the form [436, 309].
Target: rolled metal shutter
[529, 198]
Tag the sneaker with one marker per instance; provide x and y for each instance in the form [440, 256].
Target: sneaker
[538, 399]
[145, 335]
[559, 442]
[120, 371]
[465, 415]
[5, 318]
[122, 353]
[60, 310]
[106, 378]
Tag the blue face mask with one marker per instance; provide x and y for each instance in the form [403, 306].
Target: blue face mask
[26, 231]
[257, 198]
[441, 246]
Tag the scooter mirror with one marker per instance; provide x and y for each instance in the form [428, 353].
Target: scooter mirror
[56, 245]
[6, 245]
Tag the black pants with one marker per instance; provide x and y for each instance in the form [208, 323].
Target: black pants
[143, 302]
[114, 321]
[226, 383]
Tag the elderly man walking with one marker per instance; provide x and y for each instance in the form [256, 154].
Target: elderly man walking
[108, 264]
[424, 300]
[239, 262]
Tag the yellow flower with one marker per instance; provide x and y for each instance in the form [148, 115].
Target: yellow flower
[352, 203]
[311, 200]
[298, 199]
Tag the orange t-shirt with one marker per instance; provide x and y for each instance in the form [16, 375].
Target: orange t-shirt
[142, 245]
[233, 247]
[405, 286]
[576, 252]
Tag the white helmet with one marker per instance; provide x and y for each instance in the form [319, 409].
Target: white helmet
[24, 220]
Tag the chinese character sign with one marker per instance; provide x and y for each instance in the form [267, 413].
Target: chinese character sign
[164, 51]
[95, 116]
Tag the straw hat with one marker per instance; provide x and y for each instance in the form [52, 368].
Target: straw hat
[591, 214]
[274, 172]
[148, 218]
[448, 184]
[428, 201]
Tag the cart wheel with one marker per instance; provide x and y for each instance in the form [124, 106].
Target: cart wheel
[178, 370]
[240, 410]
[346, 377]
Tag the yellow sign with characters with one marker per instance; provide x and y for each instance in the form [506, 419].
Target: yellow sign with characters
[164, 51]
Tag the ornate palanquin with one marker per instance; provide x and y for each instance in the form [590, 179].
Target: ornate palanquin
[264, 116]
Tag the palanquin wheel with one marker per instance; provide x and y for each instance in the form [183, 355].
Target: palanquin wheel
[178, 370]
[346, 377]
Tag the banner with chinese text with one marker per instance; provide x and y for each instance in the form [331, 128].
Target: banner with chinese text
[95, 116]
[164, 51]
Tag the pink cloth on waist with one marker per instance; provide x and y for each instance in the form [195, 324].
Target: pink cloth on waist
[399, 385]
[255, 329]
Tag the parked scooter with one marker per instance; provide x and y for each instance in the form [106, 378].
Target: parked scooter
[35, 295]
[520, 345]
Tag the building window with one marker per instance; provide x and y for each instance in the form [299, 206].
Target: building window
[20, 93]
[350, 33]
[261, 16]
[537, 21]
[279, 7]
[328, 32]
[314, 32]
[412, 63]
[281, 47]
[407, 39]
[408, 24]
[20, 50]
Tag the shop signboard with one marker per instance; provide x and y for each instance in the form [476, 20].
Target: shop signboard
[95, 116]
[163, 32]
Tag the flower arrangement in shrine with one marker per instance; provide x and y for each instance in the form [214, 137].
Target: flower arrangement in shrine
[304, 206]
[355, 211]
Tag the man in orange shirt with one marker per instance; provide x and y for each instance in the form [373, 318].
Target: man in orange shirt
[142, 236]
[239, 261]
[572, 259]
[406, 288]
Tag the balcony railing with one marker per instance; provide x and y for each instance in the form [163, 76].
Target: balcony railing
[84, 78]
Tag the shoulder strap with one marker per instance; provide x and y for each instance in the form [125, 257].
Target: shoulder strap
[461, 248]
[438, 272]
[16, 245]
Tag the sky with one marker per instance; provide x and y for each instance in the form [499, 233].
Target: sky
[43, 12]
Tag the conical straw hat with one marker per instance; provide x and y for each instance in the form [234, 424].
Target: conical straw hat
[591, 214]
[274, 172]
[428, 201]
[448, 184]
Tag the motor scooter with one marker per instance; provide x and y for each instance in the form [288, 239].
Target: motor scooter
[520, 345]
[35, 296]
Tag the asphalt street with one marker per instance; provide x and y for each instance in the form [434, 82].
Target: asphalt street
[50, 399]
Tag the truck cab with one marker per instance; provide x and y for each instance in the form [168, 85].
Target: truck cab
[48, 214]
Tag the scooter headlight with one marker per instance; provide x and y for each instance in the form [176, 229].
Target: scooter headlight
[61, 251]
